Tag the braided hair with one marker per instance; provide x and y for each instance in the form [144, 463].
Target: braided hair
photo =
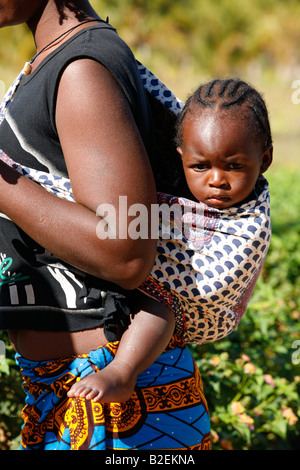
[230, 95]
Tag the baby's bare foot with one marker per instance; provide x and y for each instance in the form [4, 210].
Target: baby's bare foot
[112, 384]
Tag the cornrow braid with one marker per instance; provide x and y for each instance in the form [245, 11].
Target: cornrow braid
[230, 94]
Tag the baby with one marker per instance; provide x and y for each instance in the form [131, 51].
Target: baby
[225, 144]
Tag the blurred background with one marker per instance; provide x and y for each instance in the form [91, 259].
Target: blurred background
[252, 378]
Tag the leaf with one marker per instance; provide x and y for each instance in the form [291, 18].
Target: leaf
[4, 369]
[279, 427]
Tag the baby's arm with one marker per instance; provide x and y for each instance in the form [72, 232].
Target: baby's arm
[142, 343]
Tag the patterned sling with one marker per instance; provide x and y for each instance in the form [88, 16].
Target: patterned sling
[208, 260]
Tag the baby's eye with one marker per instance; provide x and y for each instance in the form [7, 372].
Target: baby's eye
[235, 166]
[199, 167]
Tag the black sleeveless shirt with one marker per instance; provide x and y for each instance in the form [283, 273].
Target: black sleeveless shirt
[37, 290]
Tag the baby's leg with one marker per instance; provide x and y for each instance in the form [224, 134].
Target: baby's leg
[142, 343]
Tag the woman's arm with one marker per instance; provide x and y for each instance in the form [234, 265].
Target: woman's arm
[106, 159]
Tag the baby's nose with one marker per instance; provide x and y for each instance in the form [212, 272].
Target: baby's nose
[218, 178]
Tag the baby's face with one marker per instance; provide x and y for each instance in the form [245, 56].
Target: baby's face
[221, 161]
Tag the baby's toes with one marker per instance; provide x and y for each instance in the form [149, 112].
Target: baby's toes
[99, 397]
[76, 390]
[92, 394]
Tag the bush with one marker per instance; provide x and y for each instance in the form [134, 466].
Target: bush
[252, 377]
[11, 398]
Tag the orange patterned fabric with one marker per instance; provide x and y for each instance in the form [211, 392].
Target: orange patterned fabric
[168, 409]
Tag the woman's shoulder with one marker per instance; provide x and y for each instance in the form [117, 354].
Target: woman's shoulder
[99, 41]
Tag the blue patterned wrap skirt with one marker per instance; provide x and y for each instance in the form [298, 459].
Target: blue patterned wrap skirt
[168, 409]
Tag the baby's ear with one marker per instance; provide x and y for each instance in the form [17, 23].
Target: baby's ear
[266, 159]
[179, 150]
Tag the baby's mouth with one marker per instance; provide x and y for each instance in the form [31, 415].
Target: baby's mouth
[217, 201]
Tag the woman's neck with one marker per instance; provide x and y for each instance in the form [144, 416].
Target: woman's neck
[55, 18]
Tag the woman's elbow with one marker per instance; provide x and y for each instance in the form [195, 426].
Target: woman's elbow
[133, 274]
[135, 269]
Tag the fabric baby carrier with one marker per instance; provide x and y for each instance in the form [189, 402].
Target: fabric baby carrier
[208, 260]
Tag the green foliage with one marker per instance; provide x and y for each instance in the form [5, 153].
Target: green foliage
[252, 378]
[208, 37]
[11, 398]
[19, 48]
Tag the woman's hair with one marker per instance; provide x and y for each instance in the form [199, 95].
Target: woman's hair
[235, 96]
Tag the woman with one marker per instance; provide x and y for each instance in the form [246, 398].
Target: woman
[83, 70]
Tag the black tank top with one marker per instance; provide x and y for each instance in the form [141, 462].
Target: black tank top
[37, 290]
[28, 135]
